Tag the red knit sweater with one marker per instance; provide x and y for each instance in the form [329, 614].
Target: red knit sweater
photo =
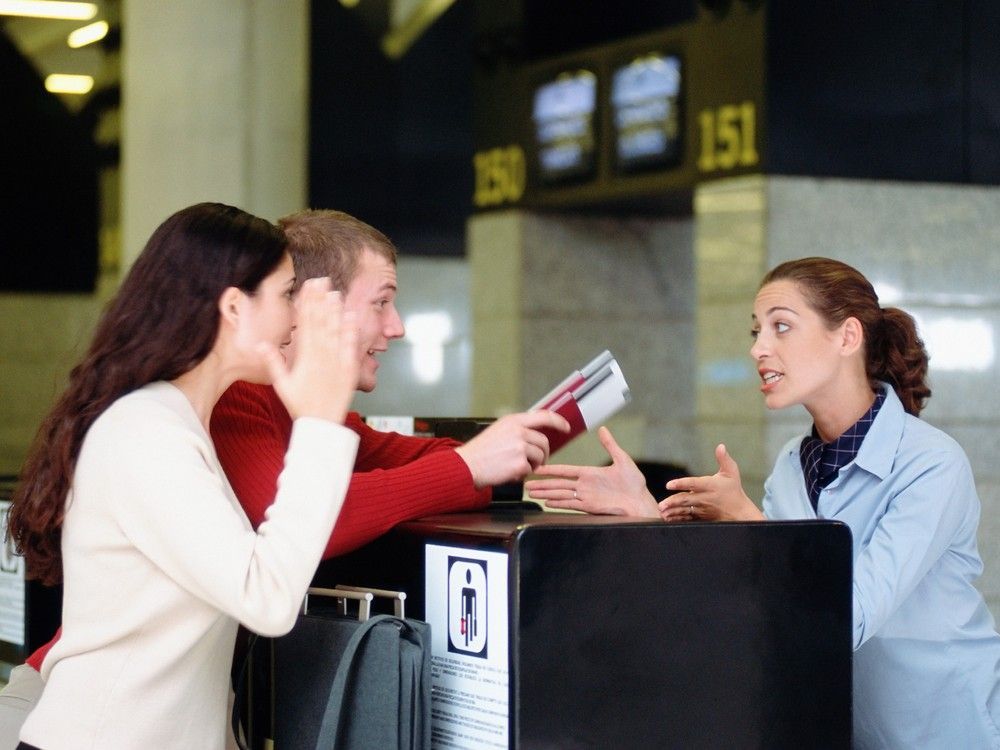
[396, 478]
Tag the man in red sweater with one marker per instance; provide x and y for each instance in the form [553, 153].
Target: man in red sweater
[397, 478]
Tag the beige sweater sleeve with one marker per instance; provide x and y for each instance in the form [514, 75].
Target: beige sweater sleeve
[159, 478]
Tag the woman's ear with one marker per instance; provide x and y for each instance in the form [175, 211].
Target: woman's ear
[230, 305]
[852, 336]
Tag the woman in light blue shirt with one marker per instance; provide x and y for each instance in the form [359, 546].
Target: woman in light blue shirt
[927, 655]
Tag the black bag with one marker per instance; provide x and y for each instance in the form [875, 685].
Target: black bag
[352, 684]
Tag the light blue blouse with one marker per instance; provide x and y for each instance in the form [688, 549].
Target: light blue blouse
[927, 655]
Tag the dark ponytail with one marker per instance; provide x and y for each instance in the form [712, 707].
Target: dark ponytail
[894, 352]
[897, 356]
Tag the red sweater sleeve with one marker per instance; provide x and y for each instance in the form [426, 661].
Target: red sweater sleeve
[251, 429]
[35, 660]
[397, 478]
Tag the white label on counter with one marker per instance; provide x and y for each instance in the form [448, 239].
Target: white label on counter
[11, 585]
[402, 425]
[466, 606]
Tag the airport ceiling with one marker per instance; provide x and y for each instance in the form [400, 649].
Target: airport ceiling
[45, 43]
[393, 24]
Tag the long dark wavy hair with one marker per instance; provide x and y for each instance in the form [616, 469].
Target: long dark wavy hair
[894, 353]
[162, 322]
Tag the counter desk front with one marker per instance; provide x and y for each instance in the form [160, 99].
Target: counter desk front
[555, 630]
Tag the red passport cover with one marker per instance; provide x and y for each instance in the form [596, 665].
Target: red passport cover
[589, 384]
[566, 406]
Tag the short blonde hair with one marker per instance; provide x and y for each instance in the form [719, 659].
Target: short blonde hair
[330, 243]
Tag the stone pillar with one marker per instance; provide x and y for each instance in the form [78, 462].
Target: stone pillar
[214, 107]
[551, 291]
[214, 99]
[730, 258]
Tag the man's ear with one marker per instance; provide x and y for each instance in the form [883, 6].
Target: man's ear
[852, 336]
[230, 305]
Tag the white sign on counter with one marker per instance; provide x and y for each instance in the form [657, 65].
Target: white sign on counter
[11, 585]
[466, 606]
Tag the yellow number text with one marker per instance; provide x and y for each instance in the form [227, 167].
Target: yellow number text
[500, 176]
[728, 137]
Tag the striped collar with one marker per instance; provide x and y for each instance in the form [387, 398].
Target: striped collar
[821, 461]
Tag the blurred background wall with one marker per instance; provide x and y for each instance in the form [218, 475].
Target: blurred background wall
[866, 132]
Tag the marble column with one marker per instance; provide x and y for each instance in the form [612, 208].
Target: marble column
[214, 107]
[215, 99]
[550, 291]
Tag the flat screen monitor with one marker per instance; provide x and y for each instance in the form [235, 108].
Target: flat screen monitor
[646, 112]
[564, 114]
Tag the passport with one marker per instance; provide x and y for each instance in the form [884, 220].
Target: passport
[587, 398]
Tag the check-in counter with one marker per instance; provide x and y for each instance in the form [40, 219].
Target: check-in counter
[556, 630]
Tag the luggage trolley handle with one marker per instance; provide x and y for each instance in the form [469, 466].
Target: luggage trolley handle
[363, 596]
[398, 597]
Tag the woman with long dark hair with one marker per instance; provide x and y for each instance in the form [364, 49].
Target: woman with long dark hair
[927, 656]
[122, 497]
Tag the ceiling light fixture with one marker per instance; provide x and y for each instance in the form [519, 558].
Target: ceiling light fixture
[407, 21]
[64, 83]
[88, 34]
[48, 9]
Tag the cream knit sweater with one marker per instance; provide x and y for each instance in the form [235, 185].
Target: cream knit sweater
[160, 563]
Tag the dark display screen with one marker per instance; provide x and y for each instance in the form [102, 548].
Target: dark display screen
[645, 98]
[564, 116]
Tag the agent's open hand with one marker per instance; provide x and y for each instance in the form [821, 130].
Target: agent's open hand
[719, 497]
[321, 380]
[510, 448]
[618, 489]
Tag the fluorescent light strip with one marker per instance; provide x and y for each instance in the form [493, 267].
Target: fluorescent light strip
[63, 83]
[87, 34]
[48, 9]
